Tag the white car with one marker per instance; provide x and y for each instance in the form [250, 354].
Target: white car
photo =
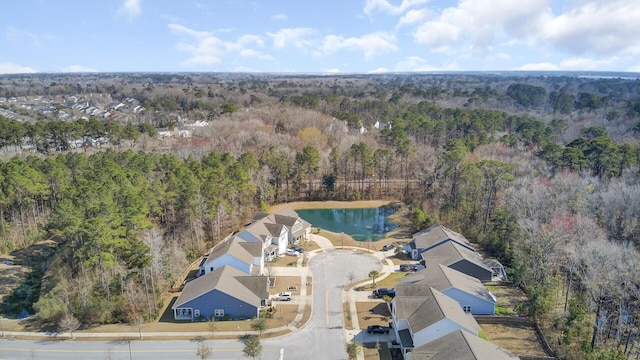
[284, 296]
[292, 252]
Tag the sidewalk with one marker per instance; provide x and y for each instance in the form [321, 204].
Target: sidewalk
[351, 296]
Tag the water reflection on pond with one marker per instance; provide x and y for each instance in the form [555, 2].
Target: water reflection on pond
[361, 224]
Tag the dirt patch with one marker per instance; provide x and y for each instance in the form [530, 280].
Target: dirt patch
[520, 340]
[373, 313]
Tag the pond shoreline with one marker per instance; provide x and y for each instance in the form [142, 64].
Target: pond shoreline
[332, 204]
[400, 235]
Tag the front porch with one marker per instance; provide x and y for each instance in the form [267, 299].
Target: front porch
[183, 314]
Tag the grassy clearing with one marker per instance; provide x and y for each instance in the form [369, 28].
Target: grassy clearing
[373, 313]
[520, 340]
[388, 282]
[284, 282]
[348, 319]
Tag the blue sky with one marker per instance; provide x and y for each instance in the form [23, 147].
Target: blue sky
[329, 36]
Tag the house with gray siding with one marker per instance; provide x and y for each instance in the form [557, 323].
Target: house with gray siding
[245, 256]
[422, 314]
[468, 291]
[434, 237]
[223, 292]
[460, 345]
[458, 257]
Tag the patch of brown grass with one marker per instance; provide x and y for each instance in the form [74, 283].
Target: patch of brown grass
[520, 340]
[373, 313]
[348, 320]
[283, 283]
[375, 351]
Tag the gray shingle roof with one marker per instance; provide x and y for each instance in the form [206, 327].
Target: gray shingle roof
[233, 247]
[442, 278]
[460, 345]
[423, 306]
[450, 253]
[436, 234]
[228, 280]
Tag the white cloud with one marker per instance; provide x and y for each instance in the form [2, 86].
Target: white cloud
[333, 71]
[475, 24]
[586, 64]
[14, 34]
[385, 6]
[379, 70]
[255, 54]
[413, 16]
[293, 37]
[206, 49]
[598, 27]
[78, 69]
[279, 17]
[131, 8]
[572, 64]
[414, 63]
[543, 66]
[371, 44]
[9, 68]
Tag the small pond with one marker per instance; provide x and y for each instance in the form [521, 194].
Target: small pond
[361, 224]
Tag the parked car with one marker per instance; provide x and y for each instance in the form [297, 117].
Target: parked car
[388, 247]
[382, 292]
[292, 252]
[297, 248]
[284, 296]
[411, 267]
[377, 329]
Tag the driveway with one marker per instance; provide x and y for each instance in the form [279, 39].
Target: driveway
[323, 337]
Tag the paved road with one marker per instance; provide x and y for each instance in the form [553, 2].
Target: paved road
[322, 338]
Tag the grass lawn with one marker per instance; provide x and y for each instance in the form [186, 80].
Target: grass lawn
[348, 320]
[388, 282]
[508, 298]
[373, 313]
[375, 351]
[284, 282]
[520, 340]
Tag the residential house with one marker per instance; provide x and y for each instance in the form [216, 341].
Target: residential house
[223, 292]
[298, 228]
[433, 237]
[422, 314]
[460, 345]
[274, 237]
[458, 257]
[245, 256]
[468, 291]
[276, 231]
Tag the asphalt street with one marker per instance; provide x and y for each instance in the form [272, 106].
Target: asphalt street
[323, 337]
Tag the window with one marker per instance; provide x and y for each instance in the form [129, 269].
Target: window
[196, 312]
[218, 312]
[466, 308]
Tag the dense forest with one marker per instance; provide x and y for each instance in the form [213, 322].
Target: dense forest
[540, 171]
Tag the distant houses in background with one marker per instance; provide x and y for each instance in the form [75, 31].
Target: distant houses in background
[230, 276]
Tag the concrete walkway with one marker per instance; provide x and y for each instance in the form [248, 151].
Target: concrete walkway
[352, 297]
